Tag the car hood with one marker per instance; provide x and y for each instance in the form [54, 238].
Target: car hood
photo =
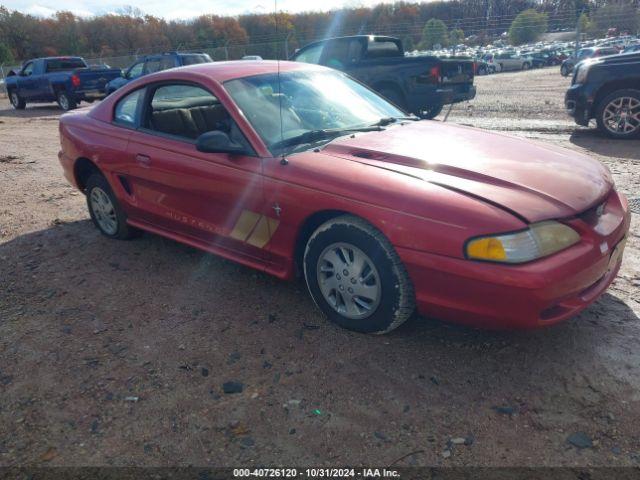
[534, 181]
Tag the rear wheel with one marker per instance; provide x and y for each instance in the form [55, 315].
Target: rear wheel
[431, 112]
[356, 278]
[66, 102]
[17, 102]
[105, 211]
[618, 114]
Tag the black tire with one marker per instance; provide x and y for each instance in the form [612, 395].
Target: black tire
[394, 96]
[65, 101]
[396, 301]
[564, 71]
[17, 102]
[600, 113]
[122, 231]
[431, 112]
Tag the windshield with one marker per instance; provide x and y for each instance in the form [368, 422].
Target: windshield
[311, 101]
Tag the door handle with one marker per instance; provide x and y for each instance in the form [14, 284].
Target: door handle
[143, 159]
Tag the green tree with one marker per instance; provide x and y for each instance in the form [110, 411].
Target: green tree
[434, 33]
[456, 36]
[5, 54]
[527, 27]
[584, 24]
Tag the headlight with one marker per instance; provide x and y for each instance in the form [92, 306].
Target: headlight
[581, 75]
[539, 240]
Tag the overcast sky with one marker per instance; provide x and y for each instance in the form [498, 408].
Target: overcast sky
[172, 9]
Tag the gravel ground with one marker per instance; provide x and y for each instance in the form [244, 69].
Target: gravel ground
[115, 353]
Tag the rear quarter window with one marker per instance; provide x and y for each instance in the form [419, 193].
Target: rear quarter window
[126, 111]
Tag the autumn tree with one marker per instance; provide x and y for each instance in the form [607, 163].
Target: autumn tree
[527, 27]
[5, 54]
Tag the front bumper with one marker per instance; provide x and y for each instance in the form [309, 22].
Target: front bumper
[578, 102]
[531, 295]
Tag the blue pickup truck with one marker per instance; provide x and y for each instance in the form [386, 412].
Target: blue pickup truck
[66, 80]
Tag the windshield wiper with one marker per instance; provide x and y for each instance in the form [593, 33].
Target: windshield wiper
[316, 135]
[383, 122]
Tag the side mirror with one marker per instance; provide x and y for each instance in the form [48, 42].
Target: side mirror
[218, 142]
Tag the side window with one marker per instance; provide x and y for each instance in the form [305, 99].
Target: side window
[127, 109]
[336, 54]
[167, 62]
[186, 111]
[135, 71]
[152, 65]
[310, 55]
[28, 69]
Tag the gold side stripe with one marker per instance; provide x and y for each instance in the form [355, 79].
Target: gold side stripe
[254, 229]
[244, 225]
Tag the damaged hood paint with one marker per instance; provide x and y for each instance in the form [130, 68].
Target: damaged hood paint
[532, 180]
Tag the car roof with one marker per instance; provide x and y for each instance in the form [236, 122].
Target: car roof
[223, 71]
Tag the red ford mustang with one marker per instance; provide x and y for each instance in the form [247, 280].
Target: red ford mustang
[308, 171]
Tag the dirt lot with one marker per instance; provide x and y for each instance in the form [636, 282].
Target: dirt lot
[114, 353]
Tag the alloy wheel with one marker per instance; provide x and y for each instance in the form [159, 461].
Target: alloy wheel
[104, 211]
[64, 102]
[349, 281]
[622, 115]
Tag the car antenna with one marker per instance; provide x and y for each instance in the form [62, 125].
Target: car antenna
[283, 160]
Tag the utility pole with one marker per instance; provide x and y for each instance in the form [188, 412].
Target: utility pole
[577, 46]
[226, 50]
[286, 46]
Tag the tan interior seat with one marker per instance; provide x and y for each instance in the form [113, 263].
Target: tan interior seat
[189, 122]
[177, 121]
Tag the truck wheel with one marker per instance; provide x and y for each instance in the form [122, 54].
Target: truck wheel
[105, 211]
[431, 112]
[17, 102]
[66, 102]
[618, 114]
[356, 278]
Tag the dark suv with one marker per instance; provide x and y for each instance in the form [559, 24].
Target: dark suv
[608, 90]
[155, 63]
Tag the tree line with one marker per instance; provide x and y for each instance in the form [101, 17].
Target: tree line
[25, 36]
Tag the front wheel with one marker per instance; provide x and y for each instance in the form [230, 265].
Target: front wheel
[618, 114]
[17, 102]
[66, 102]
[431, 112]
[356, 278]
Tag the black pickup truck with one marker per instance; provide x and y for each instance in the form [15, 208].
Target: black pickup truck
[419, 84]
[607, 89]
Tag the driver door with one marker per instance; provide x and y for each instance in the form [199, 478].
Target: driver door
[27, 82]
[212, 198]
